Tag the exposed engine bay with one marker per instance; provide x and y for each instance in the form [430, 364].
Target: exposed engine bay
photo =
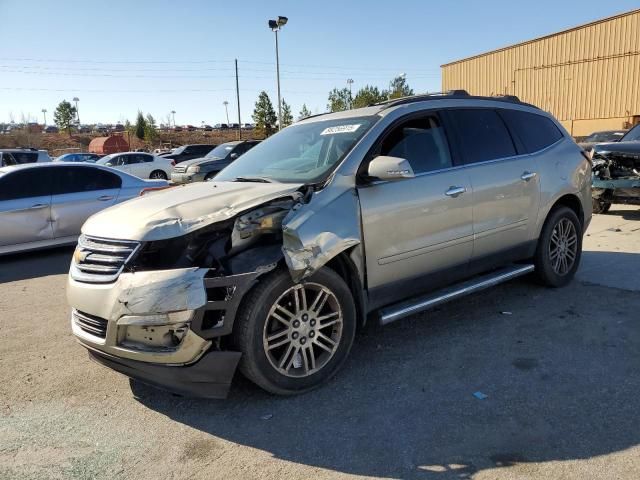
[616, 175]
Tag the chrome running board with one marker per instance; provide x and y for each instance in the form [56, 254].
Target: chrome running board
[419, 304]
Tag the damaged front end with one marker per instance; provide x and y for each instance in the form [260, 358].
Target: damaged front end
[616, 175]
[162, 310]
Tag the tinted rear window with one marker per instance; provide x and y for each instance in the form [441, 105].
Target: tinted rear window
[80, 179]
[25, 157]
[482, 135]
[34, 182]
[534, 131]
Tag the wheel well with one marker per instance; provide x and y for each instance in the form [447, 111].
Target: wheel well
[572, 202]
[344, 266]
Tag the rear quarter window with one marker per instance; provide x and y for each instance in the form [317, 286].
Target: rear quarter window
[536, 132]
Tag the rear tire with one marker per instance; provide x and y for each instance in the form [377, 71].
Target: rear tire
[158, 175]
[601, 206]
[559, 248]
[295, 337]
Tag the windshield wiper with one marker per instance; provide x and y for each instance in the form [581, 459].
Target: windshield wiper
[253, 179]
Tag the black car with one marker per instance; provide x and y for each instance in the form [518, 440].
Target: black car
[188, 152]
[616, 172]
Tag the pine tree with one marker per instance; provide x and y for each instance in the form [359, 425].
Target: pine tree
[287, 116]
[304, 112]
[264, 116]
[398, 87]
[339, 100]
[369, 95]
[141, 123]
[64, 116]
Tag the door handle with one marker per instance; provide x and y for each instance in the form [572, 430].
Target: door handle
[38, 205]
[104, 198]
[526, 176]
[455, 191]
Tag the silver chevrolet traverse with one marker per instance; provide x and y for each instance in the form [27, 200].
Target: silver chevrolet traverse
[393, 209]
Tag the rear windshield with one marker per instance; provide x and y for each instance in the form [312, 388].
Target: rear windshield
[25, 157]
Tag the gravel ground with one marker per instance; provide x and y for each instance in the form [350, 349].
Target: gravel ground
[559, 369]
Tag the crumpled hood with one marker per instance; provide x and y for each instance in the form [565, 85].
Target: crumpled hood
[631, 147]
[181, 210]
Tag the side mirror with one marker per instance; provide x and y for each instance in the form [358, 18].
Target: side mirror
[390, 168]
[108, 164]
[233, 156]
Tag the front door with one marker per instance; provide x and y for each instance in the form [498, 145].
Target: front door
[418, 232]
[25, 207]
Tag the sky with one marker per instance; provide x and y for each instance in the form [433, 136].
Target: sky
[119, 57]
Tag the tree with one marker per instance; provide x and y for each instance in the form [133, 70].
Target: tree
[64, 116]
[398, 87]
[287, 116]
[339, 100]
[264, 116]
[369, 95]
[304, 112]
[150, 130]
[140, 125]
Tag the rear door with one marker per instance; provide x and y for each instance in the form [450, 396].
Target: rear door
[136, 165]
[25, 206]
[506, 188]
[78, 193]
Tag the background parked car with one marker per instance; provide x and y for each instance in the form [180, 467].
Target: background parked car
[221, 126]
[187, 152]
[51, 129]
[247, 126]
[143, 165]
[78, 157]
[18, 156]
[203, 169]
[600, 137]
[43, 205]
[207, 128]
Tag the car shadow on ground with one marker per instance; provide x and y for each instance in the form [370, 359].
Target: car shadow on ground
[625, 214]
[23, 266]
[559, 368]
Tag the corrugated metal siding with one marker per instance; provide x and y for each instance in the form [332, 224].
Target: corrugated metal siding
[590, 72]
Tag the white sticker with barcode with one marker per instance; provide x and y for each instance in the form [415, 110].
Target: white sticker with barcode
[340, 129]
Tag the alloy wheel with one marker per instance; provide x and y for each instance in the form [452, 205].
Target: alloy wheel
[303, 330]
[563, 247]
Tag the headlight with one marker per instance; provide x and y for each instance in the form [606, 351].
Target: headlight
[194, 168]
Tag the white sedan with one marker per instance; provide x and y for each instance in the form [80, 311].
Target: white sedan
[143, 165]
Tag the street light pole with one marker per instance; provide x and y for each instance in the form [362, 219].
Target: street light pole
[275, 26]
[226, 109]
[173, 112]
[350, 82]
[76, 99]
[44, 111]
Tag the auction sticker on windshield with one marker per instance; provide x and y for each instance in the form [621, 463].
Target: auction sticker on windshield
[340, 129]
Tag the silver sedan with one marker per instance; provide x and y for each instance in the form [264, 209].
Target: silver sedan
[45, 205]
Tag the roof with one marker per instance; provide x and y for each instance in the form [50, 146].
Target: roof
[537, 39]
[25, 166]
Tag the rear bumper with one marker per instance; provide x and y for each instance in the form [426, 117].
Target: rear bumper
[209, 377]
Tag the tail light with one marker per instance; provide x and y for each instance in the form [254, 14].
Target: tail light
[152, 189]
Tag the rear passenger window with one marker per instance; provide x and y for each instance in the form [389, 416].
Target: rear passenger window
[534, 131]
[33, 182]
[81, 179]
[421, 142]
[482, 135]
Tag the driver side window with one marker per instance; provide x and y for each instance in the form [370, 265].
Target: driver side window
[420, 141]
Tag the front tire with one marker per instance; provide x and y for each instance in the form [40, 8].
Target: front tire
[559, 248]
[158, 175]
[294, 337]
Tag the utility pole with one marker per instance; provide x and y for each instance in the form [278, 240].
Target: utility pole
[44, 111]
[238, 97]
[226, 109]
[173, 112]
[275, 26]
[350, 82]
[76, 100]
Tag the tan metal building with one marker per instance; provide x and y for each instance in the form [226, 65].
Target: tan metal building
[588, 77]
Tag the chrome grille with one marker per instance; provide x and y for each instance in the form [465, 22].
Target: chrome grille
[100, 260]
[180, 168]
[90, 324]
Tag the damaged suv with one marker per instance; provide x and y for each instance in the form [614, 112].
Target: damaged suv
[389, 209]
[616, 172]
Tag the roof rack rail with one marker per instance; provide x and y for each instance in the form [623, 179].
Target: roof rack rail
[420, 97]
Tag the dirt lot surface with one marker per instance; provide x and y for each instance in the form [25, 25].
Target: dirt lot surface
[560, 370]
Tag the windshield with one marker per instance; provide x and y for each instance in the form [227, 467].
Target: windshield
[221, 151]
[105, 160]
[305, 152]
[632, 135]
